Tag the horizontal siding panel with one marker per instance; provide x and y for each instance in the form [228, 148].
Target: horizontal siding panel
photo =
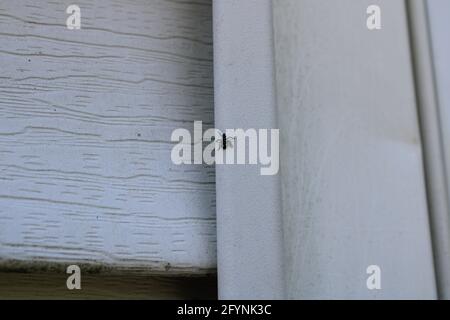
[86, 118]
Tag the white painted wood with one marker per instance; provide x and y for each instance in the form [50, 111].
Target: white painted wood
[85, 123]
[249, 234]
[432, 136]
[351, 155]
[439, 21]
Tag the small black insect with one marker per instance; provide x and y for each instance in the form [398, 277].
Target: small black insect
[225, 142]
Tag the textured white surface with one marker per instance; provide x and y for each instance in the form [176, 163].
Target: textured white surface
[85, 123]
[439, 20]
[439, 12]
[248, 204]
[351, 157]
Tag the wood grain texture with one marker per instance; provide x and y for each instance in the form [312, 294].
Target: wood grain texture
[85, 123]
